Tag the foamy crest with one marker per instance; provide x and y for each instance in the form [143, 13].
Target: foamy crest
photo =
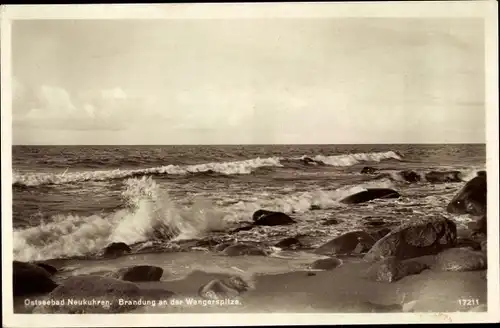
[229, 168]
[352, 159]
[151, 215]
[302, 202]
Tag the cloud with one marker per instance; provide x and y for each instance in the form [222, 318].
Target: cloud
[53, 107]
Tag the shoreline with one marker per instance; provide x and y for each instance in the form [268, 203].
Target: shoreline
[343, 289]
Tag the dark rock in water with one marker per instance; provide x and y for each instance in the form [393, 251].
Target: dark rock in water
[299, 241]
[414, 239]
[243, 249]
[460, 259]
[226, 288]
[391, 269]
[106, 290]
[47, 267]
[330, 222]
[140, 273]
[31, 279]
[289, 243]
[471, 199]
[369, 170]
[326, 264]
[442, 177]
[354, 242]
[257, 214]
[314, 207]
[481, 174]
[269, 218]
[116, 249]
[410, 176]
[370, 194]
[374, 222]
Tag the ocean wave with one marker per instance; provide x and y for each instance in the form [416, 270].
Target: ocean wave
[150, 214]
[353, 159]
[227, 168]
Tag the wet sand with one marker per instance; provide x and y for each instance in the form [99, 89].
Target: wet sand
[287, 285]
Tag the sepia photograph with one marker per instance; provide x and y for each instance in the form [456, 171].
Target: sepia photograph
[249, 160]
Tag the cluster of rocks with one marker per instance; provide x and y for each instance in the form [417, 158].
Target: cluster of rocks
[101, 292]
[413, 177]
[392, 254]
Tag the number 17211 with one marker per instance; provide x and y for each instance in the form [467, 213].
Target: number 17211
[468, 301]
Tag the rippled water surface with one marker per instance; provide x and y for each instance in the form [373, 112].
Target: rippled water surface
[74, 200]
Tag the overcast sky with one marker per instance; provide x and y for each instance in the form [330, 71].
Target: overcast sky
[248, 81]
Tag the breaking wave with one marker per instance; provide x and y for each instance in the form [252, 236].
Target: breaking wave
[150, 214]
[227, 168]
[353, 159]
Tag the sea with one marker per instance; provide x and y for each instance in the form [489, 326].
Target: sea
[72, 201]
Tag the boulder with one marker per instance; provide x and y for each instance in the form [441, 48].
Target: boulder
[270, 218]
[47, 267]
[471, 199]
[370, 194]
[243, 249]
[410, 176]
[139, 273]
[224, 288]
[102, 295]
[392, 269]
[460, 259]
[289, 243]
[116, 249]
[443, 176]
[326, 264]
[330, 222]
[414, 239]
[30, 279]
[368, 170]
[355, 242]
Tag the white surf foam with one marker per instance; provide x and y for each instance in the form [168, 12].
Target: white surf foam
[228, 168]
[151, 214]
